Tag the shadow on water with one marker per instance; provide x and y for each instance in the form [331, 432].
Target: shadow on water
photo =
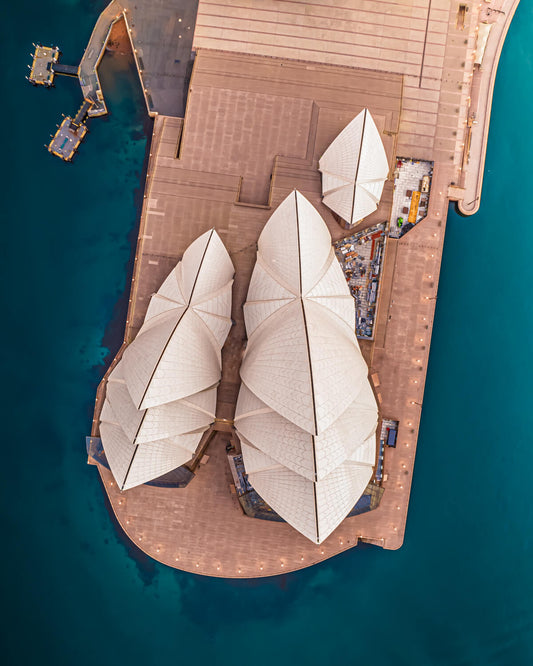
[124, 99]
[187, 81]
[265, 598]
[126, 106]
[146, 567]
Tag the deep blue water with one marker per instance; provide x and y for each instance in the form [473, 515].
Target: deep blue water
[459, 592]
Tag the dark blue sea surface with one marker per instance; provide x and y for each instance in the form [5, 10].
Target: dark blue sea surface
[459, 592]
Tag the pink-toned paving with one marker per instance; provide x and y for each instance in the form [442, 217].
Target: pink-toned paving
[254, 129]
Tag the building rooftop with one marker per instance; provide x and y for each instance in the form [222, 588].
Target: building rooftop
[354, 170]
[161, 396]
[306, 415]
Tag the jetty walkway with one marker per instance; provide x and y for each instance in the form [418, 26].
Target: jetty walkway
[88, 69]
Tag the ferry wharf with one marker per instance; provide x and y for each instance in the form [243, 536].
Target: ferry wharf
[163, 63]
[46, 65]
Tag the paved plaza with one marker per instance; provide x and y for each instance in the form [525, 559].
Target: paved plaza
[415, 38]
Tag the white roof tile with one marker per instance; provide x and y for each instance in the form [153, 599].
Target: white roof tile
[354, 169]
[153, 459]
[161, 396]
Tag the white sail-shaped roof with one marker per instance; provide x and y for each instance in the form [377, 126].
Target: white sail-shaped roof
[354, 170]
[161, 396]
[306, 414]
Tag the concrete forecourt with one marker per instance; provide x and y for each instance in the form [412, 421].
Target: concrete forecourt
[272, 85]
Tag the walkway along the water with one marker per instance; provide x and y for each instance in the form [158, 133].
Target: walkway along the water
[88, 69]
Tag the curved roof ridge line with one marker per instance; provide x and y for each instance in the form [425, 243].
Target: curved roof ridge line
[334, 190]
[314, 299]
[272, 314]
[191, 405]
[325, 268]
[114, 380]
[214, 294]
[365, 111]
[260, 410]
[339, 176]
[319, 296]
[210, 314]
[368, 192]
[259, 260]
[165, 298]
[199, 265]
[357, 463]
[315, 471]
[269, 300]
[212, 337]
[370, 180]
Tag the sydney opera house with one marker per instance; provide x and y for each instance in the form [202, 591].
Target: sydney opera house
[262, 412]
[305, 419]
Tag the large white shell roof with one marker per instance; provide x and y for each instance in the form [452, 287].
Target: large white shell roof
[161, 396]
[354, 170]
[306, 414]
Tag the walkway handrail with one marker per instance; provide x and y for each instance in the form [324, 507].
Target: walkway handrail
[87, 71]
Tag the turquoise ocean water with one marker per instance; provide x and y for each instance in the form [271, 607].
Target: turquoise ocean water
[459, 592]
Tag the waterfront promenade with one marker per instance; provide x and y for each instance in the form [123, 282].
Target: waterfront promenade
[88, 69]
[499, 14]
[254, 128]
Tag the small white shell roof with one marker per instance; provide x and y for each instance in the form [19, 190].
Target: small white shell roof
[306, 415]
[161, 396]
[354, 170]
